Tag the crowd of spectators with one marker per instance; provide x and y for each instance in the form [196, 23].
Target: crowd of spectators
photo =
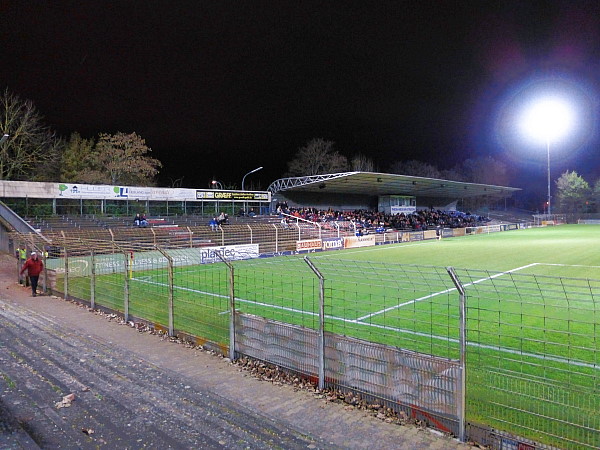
[378, 221]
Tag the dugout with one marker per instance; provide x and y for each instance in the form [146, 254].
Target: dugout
[380, 191]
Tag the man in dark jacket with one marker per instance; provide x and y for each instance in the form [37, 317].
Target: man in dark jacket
[34, 267]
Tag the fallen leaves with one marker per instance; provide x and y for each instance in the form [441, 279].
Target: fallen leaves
[66, 401]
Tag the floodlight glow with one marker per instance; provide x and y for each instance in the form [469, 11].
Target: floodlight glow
[548, 119]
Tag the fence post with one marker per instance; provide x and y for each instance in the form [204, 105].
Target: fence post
[18, 255]
[93, 280]
[126, 288]
[231, 312]
[45, 282]
[462, 317]
[171, 297]
[321, 343]
[231, 306]
[222, 235]
[66, 281]
[276, 238]
[191, 235]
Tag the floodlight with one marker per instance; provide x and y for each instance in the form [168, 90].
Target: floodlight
[548, 119]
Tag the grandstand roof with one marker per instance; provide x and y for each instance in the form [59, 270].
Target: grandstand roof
[388, 184]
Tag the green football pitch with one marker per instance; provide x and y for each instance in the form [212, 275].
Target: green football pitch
[374, 289]
[532, 310]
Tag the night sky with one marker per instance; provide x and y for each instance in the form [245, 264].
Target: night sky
[218, 88]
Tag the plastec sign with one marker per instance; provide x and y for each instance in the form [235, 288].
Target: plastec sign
[115, 263]
[359, 241]
[308, 244]
[228, 252]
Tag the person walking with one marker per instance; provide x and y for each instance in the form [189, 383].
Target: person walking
[34, 267]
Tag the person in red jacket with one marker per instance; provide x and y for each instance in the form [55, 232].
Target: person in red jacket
[34, 267]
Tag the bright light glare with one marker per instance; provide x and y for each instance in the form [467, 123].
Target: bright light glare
[548, 119]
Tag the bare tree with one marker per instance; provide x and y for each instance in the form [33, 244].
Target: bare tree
[121, 159]
[317, 157]
[486, 170]
[453, 174]
[31, 146]
[415, 168]
[362, 163]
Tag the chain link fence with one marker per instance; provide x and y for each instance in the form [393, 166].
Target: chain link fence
[505, 359]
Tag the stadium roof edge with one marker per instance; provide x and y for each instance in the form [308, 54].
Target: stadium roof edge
[388, 184]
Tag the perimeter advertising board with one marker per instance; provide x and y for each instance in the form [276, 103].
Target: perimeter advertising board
[359, 241]
[333, 243]
[308, 245]
[115, 263]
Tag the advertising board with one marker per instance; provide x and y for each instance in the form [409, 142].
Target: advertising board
[115, 263]
[359, 241]
[415, 236]
[308, 244]
[333, 243]
[402, 209]
[232, 195]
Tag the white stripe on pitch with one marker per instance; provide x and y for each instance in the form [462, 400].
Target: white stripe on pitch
[400, 330]
[435, 294]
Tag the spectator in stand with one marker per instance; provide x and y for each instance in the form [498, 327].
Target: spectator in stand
[214, 225]
[143, 220]
[34, 267]
[137, 219]
[222, 219]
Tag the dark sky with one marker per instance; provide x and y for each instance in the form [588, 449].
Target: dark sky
[218, 88]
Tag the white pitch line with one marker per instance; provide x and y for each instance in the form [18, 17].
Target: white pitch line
[485, 346]
[569, 265]
[237, 299]
[376, 248]
[435, 294]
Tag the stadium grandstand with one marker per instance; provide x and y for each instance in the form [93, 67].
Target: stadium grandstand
[347, 203]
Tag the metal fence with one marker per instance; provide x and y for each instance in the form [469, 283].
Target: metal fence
[504, 359]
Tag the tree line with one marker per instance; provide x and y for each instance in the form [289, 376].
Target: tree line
[319, 157]
[34, 152]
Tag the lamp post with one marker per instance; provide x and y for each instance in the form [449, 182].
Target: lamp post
[3, 138]
[216, 184]
[549, 196]
[548, 119]
[252, 171]
[244, 178]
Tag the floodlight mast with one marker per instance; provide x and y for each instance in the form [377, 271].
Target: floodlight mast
[548, 119]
